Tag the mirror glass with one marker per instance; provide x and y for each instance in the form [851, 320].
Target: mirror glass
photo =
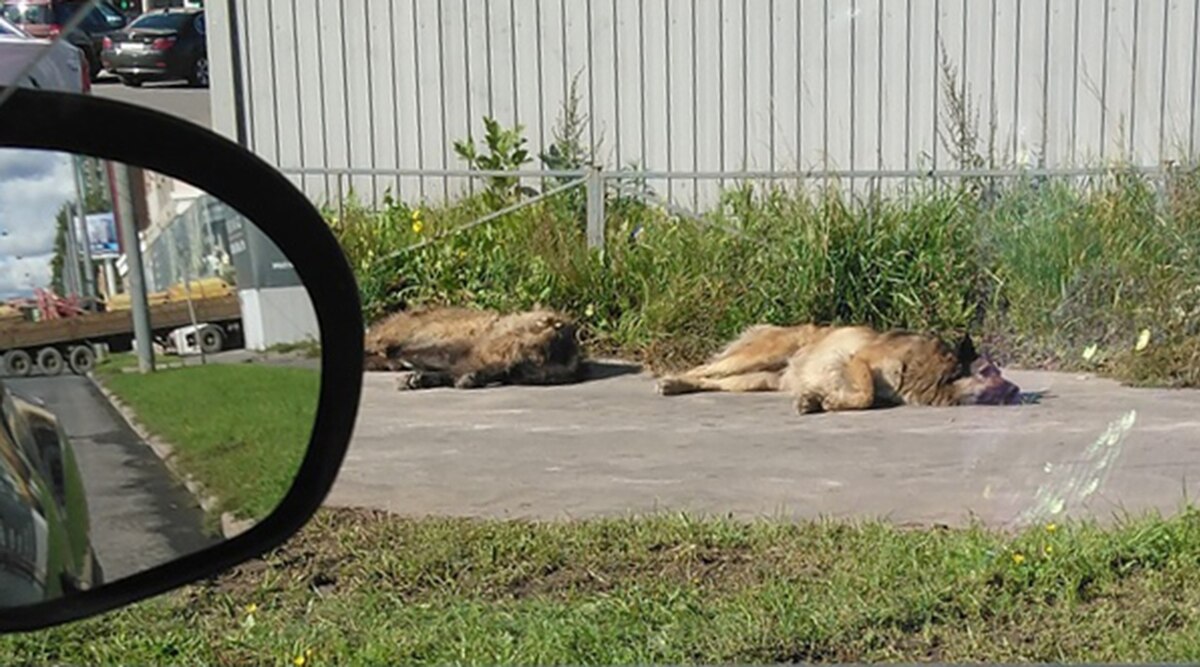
[119, 455]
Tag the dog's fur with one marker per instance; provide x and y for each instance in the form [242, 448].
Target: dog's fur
[467, 348]
[833, 368]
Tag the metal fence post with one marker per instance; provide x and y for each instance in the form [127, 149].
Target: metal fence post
[595, 209]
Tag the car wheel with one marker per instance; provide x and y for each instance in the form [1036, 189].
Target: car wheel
[82, 360]
[50, 360]
[18, 363]
[199, 75]
[132, 81]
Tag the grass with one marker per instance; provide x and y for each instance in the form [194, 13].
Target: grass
[307, 349]
[1040, 270]
[369, 588]
[240, 429]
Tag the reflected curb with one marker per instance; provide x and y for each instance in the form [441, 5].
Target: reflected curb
[231, 526]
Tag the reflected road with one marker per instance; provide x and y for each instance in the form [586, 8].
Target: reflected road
[141, 515]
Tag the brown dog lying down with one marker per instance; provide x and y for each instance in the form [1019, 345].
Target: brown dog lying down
[830, 368]
[467, 348]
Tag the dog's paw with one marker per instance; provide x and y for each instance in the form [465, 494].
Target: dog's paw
[408, 380]
[673, 386]
[808, 404]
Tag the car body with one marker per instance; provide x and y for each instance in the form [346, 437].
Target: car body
[45, 527]
[162, 45]
[46, 18]
[61, 69]
[45, 531]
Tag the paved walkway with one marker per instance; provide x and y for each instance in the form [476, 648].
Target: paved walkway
[612, 446]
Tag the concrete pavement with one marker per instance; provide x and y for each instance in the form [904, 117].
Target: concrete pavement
[612, 447]
[170, 97]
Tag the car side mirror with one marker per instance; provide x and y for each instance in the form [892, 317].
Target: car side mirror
[170, 299]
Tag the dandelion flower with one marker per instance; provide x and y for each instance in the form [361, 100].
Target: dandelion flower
[416, 214]
[1050, 527]
[417, 226]
[1018, 558]
[251, 608]
[1049, 549]
[299, 661]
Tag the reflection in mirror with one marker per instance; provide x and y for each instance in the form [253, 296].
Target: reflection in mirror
[118, 456]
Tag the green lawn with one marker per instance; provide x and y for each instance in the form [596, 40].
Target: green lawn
[240, 429]
[369, 588]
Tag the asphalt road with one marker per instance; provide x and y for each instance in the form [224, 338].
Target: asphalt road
[614, 447]
[170, 97]
[141, 516]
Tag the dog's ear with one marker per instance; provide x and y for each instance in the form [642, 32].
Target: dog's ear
[966, 350]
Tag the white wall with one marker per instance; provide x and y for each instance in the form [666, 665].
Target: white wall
[277, 315]
[708, 84]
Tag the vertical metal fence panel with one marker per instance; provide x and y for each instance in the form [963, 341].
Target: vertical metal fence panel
[1178, 69]
[455, 74]
[710, 85]
[1029, 99]
[411, 123]
[812, 82]
[1146, 79]
[1119, 91]
[841, 71]
[1089, 69]
[922, 87]
[709, 97]
[1058, 73]
[604, 82]
[682, 148]
[330, 100]
[866, 121]
[894, 79]
[288, 116]
[360, 114]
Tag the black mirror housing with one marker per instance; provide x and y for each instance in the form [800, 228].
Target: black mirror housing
[81, 124]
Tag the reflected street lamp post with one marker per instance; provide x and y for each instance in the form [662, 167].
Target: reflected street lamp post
[139, 306]
[89, 281]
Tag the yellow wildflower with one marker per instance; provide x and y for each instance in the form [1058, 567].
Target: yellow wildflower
[1049, 549]
[299, 661]
[251, 608]
[1018, 558]
[590, 310]
[1143, 340]
[416, 214]
[417, 226]
[1050, 527]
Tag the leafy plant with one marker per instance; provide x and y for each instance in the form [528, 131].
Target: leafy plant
[506, 152]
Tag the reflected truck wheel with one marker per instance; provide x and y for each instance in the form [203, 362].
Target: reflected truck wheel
[18, 363]
[82, 360]
[50, 360]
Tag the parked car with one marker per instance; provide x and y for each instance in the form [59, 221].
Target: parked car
[46, 18]
[45, 526]
[62, 69]
[45, 531]
[164, 45]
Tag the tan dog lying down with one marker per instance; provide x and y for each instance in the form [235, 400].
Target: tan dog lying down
[467, 348]
[830, 368]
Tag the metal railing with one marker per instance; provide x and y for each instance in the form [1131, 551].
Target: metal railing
[597, 181]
